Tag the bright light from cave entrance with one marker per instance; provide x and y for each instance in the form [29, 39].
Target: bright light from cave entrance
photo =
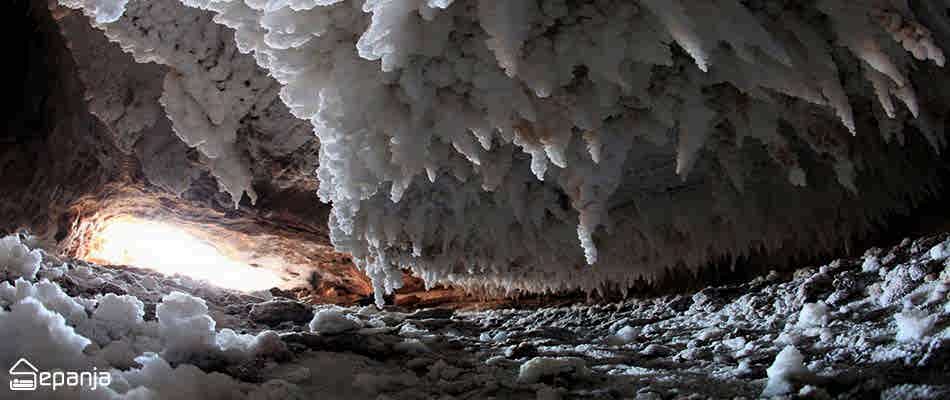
[169, 250]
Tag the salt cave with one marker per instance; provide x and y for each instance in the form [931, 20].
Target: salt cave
[415, 199]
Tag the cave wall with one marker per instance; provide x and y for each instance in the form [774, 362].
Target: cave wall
[53, 151]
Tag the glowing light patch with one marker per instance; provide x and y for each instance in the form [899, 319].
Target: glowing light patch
[169, 250]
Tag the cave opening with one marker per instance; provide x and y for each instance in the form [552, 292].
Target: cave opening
[171, 250]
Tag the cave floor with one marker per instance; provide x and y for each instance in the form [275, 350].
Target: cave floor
[877, 325]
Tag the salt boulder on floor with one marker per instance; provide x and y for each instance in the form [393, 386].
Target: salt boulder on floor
[332, 321]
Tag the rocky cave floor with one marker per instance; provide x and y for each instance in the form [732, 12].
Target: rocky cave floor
[877, 325]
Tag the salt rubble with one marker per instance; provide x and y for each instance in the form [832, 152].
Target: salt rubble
[179, 338]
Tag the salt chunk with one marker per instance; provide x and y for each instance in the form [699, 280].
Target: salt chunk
[333, 321]
[625, 335]
[913, 325]
[788, 366]
[871, 264]
[539, 367]
[813, 315]
[941, 251]
[184, 326]
[17, 260]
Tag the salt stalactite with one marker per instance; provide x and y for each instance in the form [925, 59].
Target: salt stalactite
[673, 16]
[214, 140]
[478, 142]
[209, 88]
[102, 11]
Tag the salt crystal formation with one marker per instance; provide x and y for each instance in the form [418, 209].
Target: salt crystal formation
[550, 145]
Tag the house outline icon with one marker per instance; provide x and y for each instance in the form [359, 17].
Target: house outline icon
[24, 379]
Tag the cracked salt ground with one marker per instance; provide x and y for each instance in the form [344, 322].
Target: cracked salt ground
[872, 326]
